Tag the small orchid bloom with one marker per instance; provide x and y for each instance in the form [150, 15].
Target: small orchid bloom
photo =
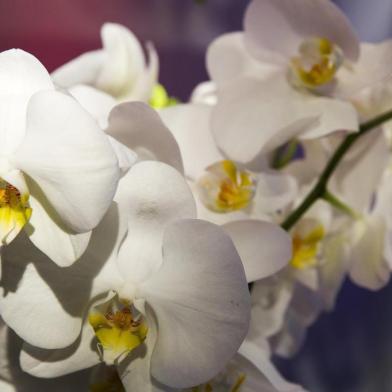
[316, 48]
[287, 303]
[363, 183]
[231, 195]
[158, 294]
[119, 68]
[293, 83]
[58, 171]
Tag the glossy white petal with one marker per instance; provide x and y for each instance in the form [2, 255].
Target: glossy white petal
[201, 300]
[371, 68]
[124, 60]
[269, 379]
[84, 69]
[45, 305]
[190, 125]
[54, 363]
[359, 174]
[151, 196]
[21, 75]
[144, 86]
[204, 93]
[96, 102]
[140, 128]
[30, 305]
[227, 58]
[125, 156]
[51, 237]
[69, 158]
[270, 300]
[368, 267]
[275, 191]
[334, 267]
[334, 115]
[280, 26]
[254, 116]
[264, 247]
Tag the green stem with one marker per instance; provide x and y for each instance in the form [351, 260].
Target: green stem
[320, 189]
[339, 204]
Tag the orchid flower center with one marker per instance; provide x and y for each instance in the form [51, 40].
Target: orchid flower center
[225, 188]
[306, 246]
[15, 211]
[317, 62]
[119, 328]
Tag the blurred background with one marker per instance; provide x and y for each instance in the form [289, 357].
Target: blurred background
[349, 350]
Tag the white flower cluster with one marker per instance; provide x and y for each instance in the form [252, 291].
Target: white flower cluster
[149, 245]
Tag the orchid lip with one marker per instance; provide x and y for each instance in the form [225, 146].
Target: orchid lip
[225, 187]
[119, 328]
[316, 64]
[15, 211]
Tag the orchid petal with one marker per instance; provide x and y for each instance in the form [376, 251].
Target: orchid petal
[21, 75]
[368, 267]
[371, 68]
[254, 116]
[84, 69]
[227, 58]
[201, 301]
[268, 377]
[46, 307]
[69, 158]
[96, 102]
[190, 125]
[264, 247]
[54, 363]
[48, 235]
[275, 191]
[140, 128]
[150, 196]
[280, 26]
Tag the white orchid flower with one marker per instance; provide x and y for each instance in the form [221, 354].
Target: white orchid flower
[322, 55]
[119, 68]
[276, 82]
[160, 294]
[230, 195]
[362, 183]
[58, 171]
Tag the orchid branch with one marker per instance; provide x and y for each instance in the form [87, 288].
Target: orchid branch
[319, 191]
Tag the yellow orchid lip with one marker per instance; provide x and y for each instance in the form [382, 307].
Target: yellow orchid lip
[225, 187]
[306, 247]
[120, 328]
[316, 65]
[15, 211]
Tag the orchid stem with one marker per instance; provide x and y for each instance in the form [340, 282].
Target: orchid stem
[339, 204]
[319, 191]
